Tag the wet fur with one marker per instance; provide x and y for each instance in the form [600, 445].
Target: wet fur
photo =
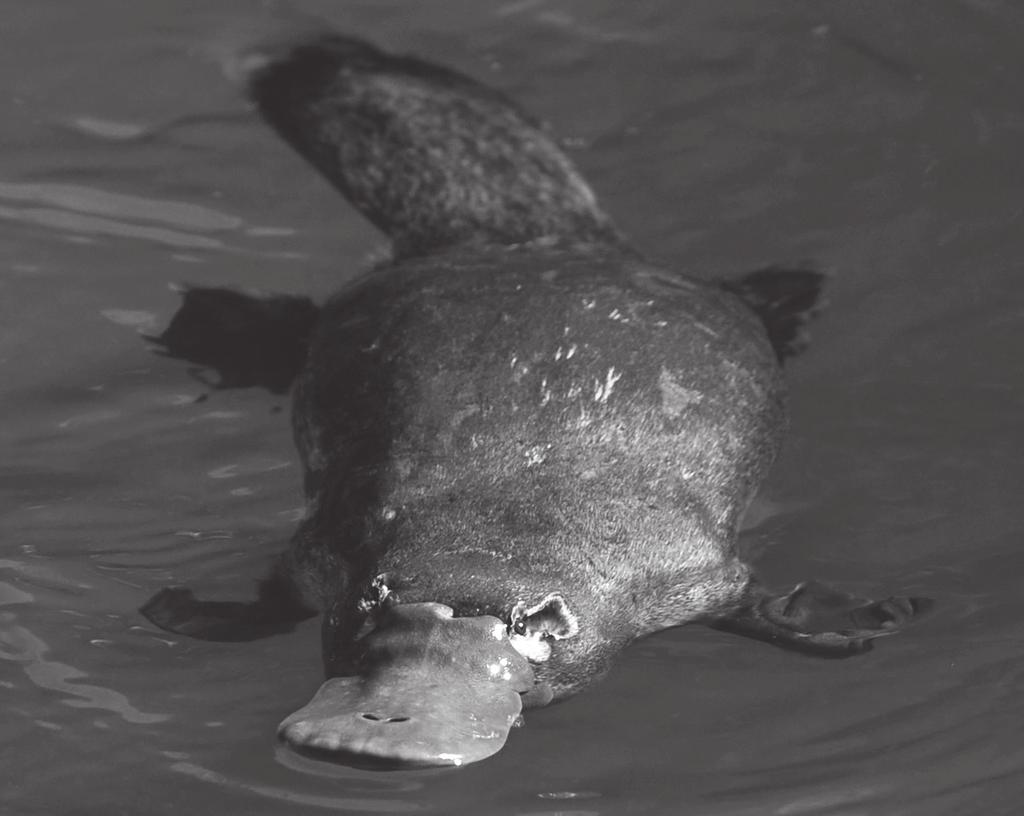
[452, 445]
[446, 443]
[429, 156]
[518, 405]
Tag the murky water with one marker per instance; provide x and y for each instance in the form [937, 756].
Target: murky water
[881, 139]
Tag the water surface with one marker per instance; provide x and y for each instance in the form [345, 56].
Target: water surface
[880, 139]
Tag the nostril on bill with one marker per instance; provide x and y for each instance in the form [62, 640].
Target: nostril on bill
[376, 718]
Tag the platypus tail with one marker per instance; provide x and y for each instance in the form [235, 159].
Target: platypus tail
[431, 157]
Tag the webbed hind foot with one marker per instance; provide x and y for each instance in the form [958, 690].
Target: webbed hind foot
[248, 339]
[821, 621]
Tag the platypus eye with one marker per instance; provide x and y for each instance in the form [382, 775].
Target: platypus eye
[551, 619]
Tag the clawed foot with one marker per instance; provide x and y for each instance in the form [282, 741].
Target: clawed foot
[176, 609]
[170, 609]
[812, 608]
[822, 621]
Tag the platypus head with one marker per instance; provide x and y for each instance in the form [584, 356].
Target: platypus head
[425, 687]
[431, 689]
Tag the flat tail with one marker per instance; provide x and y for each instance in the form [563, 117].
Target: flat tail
[786, 299]
[429, 156]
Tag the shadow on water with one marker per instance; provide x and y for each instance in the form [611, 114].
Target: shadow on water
[361, 795]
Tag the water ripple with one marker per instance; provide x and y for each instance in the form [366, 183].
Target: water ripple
[20, 645]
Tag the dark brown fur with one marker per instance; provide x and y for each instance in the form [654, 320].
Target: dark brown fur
[519, 406]
[494, 426]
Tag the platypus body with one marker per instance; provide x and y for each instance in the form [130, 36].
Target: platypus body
[524, 444]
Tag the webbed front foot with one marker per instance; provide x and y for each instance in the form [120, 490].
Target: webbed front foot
[178, 610]
[819, 620]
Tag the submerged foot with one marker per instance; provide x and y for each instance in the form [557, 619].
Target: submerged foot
[786, 299]
[248, 339]
[822, 621]
[178, 610]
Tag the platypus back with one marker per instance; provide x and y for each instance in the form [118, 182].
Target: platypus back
[431, 157]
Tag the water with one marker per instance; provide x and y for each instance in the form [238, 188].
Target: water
[880, 139]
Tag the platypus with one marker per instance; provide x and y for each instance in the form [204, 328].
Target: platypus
[525, 444]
